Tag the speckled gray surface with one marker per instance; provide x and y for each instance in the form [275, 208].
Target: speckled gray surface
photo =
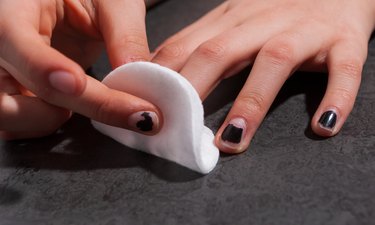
[287, 176]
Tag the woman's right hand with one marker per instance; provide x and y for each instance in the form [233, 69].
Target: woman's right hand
[45, 47]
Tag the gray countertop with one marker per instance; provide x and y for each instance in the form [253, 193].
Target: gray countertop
[287, 176]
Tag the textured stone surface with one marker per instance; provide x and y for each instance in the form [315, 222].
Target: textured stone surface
[287, 176]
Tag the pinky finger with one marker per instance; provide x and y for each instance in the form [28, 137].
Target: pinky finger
[345, 64]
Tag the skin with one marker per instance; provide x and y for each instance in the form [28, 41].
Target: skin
[277, 38]
[40, 37]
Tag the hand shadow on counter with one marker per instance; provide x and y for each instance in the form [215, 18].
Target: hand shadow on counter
[310, 84]
[78, 146]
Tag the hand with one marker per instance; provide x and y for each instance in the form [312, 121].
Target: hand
[45, 47]
[277, 37]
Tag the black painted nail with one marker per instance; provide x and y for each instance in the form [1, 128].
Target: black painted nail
[144, 121]
[232, 134]
[328, 120]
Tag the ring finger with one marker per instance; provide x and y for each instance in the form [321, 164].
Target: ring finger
[276, 60]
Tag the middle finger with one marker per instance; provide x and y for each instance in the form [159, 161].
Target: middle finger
[237, 46]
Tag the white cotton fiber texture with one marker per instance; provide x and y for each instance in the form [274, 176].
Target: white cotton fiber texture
[183, 138]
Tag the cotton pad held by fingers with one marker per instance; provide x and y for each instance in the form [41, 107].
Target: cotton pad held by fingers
[183, 138]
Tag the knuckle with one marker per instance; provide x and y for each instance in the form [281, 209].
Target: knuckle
[102, 110]
[345, 95]
[253, 103]
[350, 68]
[279, 52]
[172, 51]
[212, 50]
[134, 40]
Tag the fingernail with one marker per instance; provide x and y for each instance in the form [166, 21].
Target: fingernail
[233, 133]
[63, 81]
[144, 122]
[328, 120]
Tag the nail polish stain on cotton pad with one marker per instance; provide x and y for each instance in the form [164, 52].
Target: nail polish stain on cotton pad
[184, 138]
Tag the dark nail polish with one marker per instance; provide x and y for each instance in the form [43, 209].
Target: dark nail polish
[328, 119]
[146, 124]
[232, 134]
[144, 121]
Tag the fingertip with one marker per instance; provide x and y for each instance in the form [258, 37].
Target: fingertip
[233, 137]
[225, 148]
[327, 123]
[145, 122]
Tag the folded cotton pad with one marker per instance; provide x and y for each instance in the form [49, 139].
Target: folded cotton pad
[183, 137]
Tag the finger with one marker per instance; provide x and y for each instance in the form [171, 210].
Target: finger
[122, 24]
[277, 59]
[204, 21]
[116, 108]
[60, 81]
[20, 113]
[175, 54]
[345, 62]
[209, 63]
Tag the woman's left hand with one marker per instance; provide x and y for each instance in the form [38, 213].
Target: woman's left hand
[277, 37]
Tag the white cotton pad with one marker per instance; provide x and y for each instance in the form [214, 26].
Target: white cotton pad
[183, 137]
